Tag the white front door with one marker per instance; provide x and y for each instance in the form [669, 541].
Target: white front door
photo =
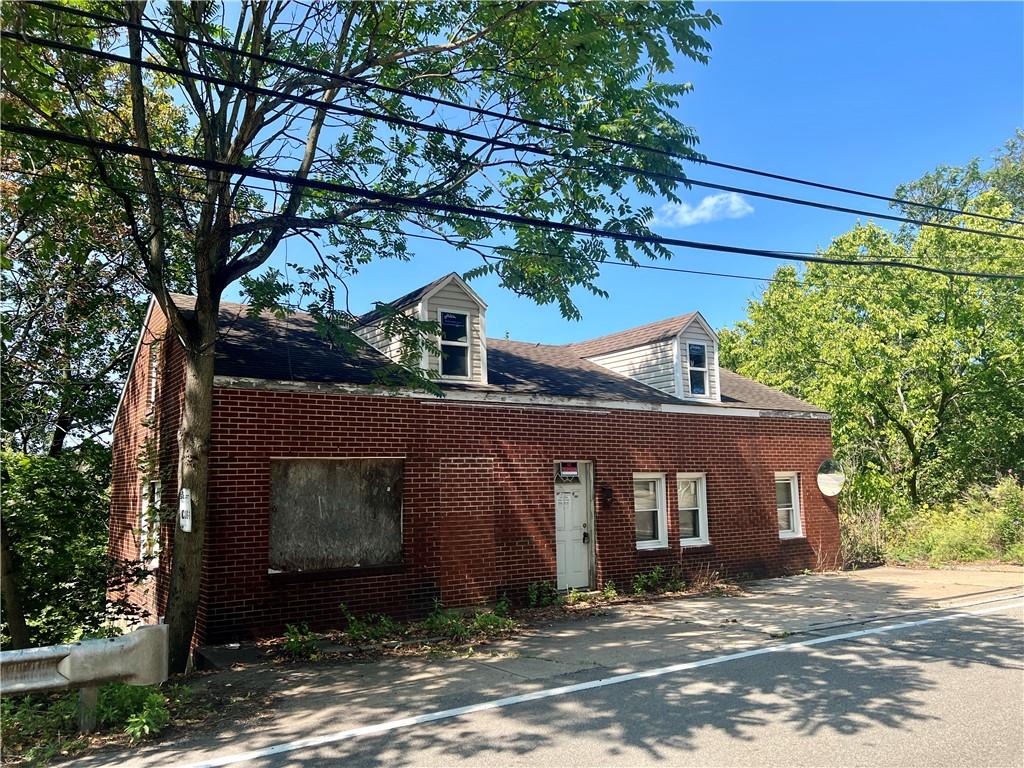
[572, 534]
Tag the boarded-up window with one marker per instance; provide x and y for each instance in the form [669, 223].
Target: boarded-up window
[335, 513]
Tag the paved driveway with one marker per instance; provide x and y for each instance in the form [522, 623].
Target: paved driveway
[880, 667]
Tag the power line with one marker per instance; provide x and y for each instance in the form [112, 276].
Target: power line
[487, 140]
[448, 208]
[462, 242]
[469, 244]
[362, 82]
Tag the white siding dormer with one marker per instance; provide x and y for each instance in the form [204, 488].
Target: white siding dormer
[652, 364]
[697, 362]
[459, 312]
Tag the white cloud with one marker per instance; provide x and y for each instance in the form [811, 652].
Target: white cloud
[724, 205]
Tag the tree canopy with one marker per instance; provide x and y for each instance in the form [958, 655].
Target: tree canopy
[348, 114]
[923, 373]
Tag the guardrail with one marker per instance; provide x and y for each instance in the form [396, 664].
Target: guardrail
[138, 658]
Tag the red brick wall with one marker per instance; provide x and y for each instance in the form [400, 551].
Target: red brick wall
[478, 507]
[136, 424]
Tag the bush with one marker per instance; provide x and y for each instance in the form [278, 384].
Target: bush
[986, 524]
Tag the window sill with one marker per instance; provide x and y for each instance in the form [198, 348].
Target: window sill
[791, 536]
[694, 543]
[641, 546]
[328, 574]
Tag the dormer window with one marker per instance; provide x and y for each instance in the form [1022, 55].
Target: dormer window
[698, 356]
[454, 344]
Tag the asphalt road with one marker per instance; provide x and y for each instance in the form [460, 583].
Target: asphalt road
[940, 694]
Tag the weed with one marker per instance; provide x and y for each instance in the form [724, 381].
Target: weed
[299, 642]
[503, 606]
[675, 582]
[152, 718]
[41, 727]
[609, 592]
[707, 580]
[650, 582]
[491, 623]
[448, 624]
[541, 594]
[371, 628]
[575, 597]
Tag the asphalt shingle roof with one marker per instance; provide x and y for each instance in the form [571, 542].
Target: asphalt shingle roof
[633, 337]
[291, 349]
[410, 298]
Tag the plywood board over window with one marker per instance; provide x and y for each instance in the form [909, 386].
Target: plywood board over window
[335, 513]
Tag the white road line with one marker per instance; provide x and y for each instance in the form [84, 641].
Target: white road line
[547, 693]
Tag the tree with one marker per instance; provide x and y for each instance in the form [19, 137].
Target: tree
[592, 66]
[923, 373]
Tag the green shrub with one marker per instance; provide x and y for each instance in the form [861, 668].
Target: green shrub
[299, 641]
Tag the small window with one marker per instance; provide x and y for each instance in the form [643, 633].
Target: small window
[698, 357]
[454, 344]
[649, 511]
[149, 526]
[693, 509]
[787, 504]
[154, 371]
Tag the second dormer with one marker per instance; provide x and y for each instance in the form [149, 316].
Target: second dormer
[678, 356]
[459, 313]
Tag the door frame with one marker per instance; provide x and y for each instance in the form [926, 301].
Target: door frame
[587, 483]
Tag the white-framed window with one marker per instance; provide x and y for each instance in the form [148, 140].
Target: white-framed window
[697, 355]
[787, 504]
[649, 510]
[692, 496]
[454, 343]
[154, 372]
[149, 525]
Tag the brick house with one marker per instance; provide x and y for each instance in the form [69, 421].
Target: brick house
[574, 464]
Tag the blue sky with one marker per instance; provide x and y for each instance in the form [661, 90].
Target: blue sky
[865, 95]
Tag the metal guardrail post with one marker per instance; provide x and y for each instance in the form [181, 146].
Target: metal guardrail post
[88, 699]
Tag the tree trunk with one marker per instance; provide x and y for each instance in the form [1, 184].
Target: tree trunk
[60, 431]
[193, 474]
[12, 601]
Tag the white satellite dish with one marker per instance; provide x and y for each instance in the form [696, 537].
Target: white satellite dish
[830, 478]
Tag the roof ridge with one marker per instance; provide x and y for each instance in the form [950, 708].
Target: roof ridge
[636, 336]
